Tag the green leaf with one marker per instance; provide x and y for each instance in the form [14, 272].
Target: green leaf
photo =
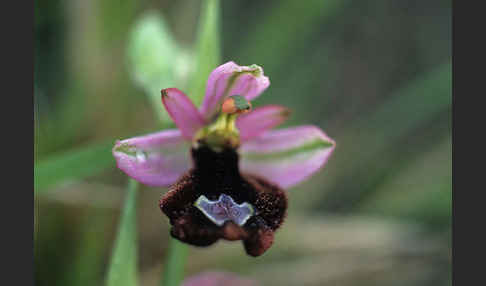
[71, 165]
[207, 49]
[123, 265]
[88, 261]
[152, 56]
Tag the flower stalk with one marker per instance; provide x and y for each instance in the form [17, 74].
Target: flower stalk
[123, 265]
[174, 267]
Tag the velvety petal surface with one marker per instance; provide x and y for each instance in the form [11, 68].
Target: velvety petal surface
[232, 79]
[181, 109]
[288, 156]
[157, 159]
[260, 120]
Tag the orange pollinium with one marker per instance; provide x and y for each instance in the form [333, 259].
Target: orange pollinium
[235, 104]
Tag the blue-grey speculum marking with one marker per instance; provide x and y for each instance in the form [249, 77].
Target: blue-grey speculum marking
[224, 209]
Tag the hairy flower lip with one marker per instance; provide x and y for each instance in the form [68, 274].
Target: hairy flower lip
[190, 225]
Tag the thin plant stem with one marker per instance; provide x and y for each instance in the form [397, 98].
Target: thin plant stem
[123, 265]
[176, 260]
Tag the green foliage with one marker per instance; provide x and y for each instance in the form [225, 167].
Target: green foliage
[207, 49]
[175, 263]
[111, 11]
[153, 59]
[87, 268]
[417, 102]
[72, 165]
[386, 133]
[421, 190]
[279, 33]
[123, 265]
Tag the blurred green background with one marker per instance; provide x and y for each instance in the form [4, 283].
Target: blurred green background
[375, 75]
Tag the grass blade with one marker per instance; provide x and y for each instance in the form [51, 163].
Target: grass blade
[73, 164]
[174, 268]
[123, 266]
[207, 49]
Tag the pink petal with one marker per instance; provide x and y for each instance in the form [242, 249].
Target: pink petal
[260, 120]
[182, 111]
[216, 278]
[287, 156]
[232, 79]
[157, 159]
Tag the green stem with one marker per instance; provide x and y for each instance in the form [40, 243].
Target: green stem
[174, 266]
[123, 265]
[207, 48]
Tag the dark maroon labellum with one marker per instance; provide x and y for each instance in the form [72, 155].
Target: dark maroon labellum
[217, 173]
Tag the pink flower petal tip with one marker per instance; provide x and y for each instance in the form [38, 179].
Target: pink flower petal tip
[231, 79]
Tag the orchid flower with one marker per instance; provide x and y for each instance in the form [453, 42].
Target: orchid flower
[225, 167]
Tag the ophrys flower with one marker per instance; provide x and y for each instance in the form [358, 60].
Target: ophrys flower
[225, 166]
